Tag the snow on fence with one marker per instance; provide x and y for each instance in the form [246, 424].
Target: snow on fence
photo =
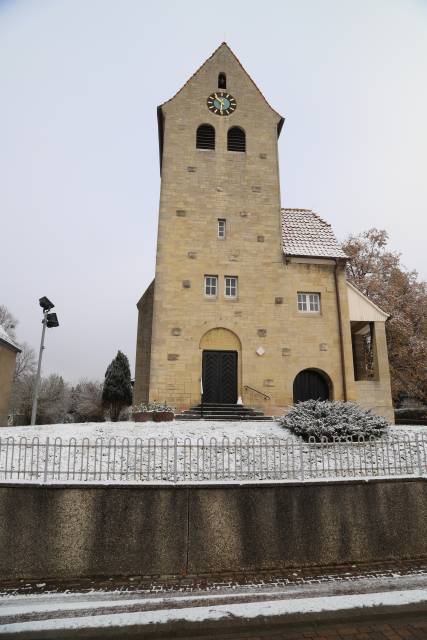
[164, 460]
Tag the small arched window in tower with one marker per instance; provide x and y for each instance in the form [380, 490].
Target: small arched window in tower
[205, 137]
[222, 81]
[236, 139]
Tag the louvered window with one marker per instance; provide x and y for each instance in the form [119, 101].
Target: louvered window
[222, 81]
[205, 138]
[236, 139]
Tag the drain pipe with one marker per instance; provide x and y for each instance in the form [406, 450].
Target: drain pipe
[337, 293]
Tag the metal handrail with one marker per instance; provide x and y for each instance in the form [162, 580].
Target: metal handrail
[264, 395]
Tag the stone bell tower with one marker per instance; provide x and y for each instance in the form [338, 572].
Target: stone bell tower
[249, 300]
[219, 217]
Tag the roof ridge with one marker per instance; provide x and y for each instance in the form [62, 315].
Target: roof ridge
[313, 213]
[240, 64]
[295, 209]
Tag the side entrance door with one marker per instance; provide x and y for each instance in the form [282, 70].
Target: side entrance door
[310, 385]
[219, 375]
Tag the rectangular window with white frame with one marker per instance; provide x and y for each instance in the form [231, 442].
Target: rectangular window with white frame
[221, 228]
[309, 302]
[211, 286]
[230, 286]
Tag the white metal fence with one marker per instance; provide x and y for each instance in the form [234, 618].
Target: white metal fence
[125, 460]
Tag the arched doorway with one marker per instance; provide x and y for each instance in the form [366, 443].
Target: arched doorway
[311, 384]
[221, 363]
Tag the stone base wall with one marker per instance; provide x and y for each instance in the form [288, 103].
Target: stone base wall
[74, 531]
[375, 395]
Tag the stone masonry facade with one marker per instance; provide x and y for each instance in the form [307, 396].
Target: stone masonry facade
[273, 339]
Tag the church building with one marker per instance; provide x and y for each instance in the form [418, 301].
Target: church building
[250, 301]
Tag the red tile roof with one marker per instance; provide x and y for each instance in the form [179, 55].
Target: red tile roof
[304, 233]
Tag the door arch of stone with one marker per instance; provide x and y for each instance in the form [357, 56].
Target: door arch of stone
[312, 384]
[221, 365]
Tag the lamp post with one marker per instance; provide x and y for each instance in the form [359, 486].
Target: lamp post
[49, 320]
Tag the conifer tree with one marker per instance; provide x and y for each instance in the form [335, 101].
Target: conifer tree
[117, 391]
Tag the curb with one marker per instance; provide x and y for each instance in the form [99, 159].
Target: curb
[217, 621]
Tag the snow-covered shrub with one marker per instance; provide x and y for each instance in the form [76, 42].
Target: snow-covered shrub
[324, 419]
[156, 407]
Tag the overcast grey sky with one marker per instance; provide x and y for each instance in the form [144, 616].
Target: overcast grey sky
[79, 174]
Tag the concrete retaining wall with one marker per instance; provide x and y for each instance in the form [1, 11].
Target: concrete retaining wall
[65, 532]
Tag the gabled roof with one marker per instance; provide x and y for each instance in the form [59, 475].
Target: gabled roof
[6, 340]
[160, 118]
[221, 46]
[361, 308]
[305, 234]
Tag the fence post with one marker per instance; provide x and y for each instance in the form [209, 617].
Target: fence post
[301, 453]
[175, 460]
[46, 460]
[420, 464]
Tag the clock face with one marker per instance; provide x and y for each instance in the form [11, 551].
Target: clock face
[221, 103]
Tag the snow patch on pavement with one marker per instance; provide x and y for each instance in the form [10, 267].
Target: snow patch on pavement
[244, 611]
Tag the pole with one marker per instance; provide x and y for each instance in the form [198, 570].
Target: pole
[36, 389]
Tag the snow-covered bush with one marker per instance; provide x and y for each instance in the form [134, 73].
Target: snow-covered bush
[156, 407]
[324, 419]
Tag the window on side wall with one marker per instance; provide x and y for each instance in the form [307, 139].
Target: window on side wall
[221, 228]
[211, 286]
[230, 286]
[309, 302]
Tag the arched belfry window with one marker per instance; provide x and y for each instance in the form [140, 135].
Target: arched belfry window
[222, 81]
[236, 139]
[205, 137]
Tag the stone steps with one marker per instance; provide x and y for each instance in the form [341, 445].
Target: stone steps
[224, 412]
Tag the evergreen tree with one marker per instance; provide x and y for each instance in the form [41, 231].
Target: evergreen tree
[117, 391]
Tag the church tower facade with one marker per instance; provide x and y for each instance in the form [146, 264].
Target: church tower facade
[223, 317]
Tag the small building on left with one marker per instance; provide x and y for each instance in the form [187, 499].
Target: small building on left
[8, 352]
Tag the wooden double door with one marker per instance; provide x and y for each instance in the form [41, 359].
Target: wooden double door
[219, 376]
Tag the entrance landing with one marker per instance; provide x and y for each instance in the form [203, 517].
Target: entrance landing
[229, 412]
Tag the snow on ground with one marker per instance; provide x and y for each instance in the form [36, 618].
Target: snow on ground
[179, 429]
[244, 611]
[192, 429]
